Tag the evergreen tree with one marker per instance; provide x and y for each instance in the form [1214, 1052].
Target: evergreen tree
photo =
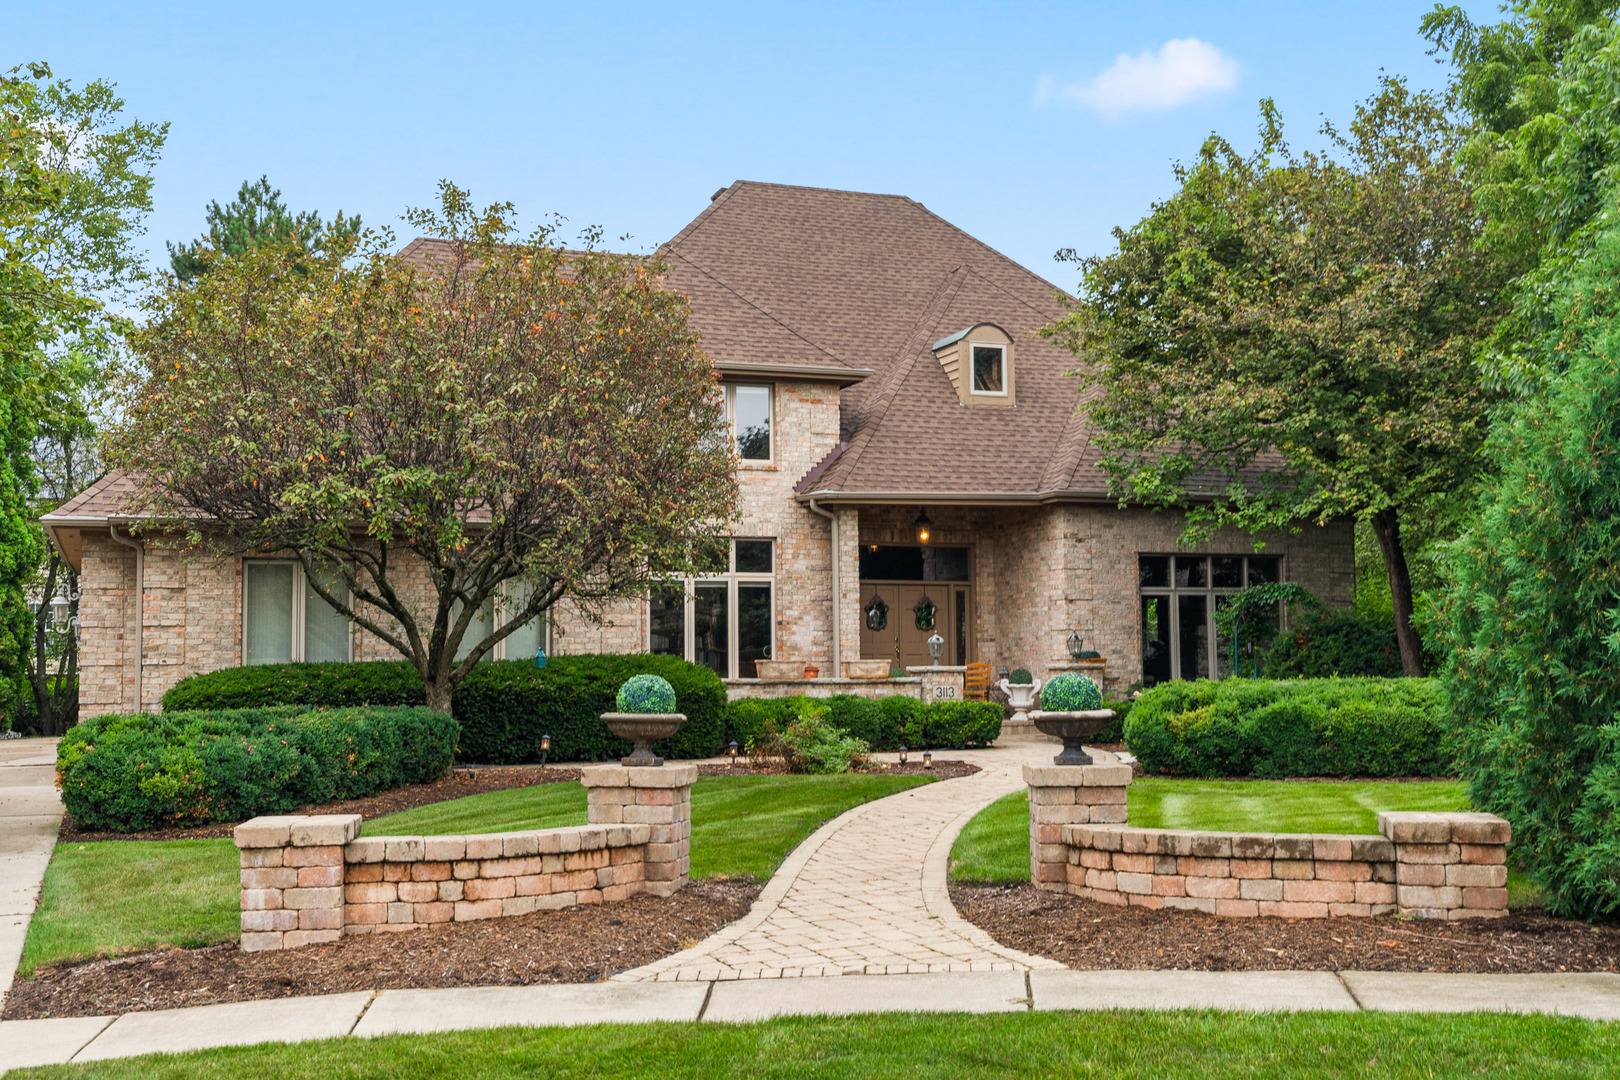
[1533, 616]
[255, 216]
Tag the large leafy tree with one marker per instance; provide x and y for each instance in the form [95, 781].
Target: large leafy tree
[256, 216]
[514, 418]
[1291, 336]
[1534, 612]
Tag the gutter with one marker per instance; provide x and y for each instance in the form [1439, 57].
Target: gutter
[837, 557]
[140, 606]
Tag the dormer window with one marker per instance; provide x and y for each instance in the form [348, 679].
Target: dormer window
[989, 368]
[979, 362]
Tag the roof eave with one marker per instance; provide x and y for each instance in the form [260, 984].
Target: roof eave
[844, 376]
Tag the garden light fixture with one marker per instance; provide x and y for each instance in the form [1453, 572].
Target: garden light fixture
[545, 749]
[902, 755]
[1075, 645]
[924, 528]
[733, 753]
[928, 759]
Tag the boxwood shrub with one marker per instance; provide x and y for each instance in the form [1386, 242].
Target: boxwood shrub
[1343, 643]
[504, 707]
[129, 772]
[1290, 728]
[884, 723]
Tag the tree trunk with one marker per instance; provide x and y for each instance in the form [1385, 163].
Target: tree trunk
[1387, 527]
[438, 694]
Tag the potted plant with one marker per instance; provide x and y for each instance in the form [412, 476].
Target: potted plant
[646, 713]
[1020, 688]
[811, 671]
[1071, 710]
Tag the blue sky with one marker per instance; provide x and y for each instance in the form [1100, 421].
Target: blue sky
[1018, 122]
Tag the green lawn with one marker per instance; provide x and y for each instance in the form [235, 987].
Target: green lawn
[1169, 1045]
[995, 845]
[118, 897]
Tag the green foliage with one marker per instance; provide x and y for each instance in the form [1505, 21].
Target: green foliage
[1020, 677]
[1245, 376]
[808, 742]
[645, 694]
[1307, 727]
[1070, 691]
[256, 216]
[885, 723]
[1533, 617]
[131, 772]
[1329, 643]
[503, 707]
[510, 421]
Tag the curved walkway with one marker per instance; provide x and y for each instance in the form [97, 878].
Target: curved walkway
[866, 893]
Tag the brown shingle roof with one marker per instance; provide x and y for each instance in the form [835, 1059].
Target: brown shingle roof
[101, 500]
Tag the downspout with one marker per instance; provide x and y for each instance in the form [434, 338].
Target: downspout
[837, 557]
[140, 605]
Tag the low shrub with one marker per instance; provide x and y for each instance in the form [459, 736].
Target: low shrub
[504, 707]
[645, 694]
[1291, 728]
[809, 742]
[1070, 691]
[1343, 643]
[125, 773]
[885, 723]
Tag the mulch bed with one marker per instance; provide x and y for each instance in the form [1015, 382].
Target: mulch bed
[581, 944]
[474, 780]
[1086, 934]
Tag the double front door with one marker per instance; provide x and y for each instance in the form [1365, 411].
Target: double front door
[898, 618]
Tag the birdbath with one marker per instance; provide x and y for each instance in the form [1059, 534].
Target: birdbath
[643, 729]
[1072, 727]
[1020, 696]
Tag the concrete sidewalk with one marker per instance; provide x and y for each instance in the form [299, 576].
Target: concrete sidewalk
[30, 815]
[393, 1012]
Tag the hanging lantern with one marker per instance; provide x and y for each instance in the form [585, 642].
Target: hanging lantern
[924, 528]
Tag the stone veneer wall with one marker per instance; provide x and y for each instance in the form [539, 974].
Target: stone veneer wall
[1438, 866]
[306, 880]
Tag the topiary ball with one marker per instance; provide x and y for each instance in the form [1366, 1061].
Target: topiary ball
[646, 694]
[1071, 692]
[1021, 677]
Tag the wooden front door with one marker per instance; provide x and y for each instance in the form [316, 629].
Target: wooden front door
[900, 640]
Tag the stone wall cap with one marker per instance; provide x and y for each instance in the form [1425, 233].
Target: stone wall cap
[270, 830]
[325, 830]
[640, 776]
[1420, 827]
[1107, 772]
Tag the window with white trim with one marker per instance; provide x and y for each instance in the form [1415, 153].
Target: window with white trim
[989, 368]
[748, 410]
[284, 620]
[724, 619]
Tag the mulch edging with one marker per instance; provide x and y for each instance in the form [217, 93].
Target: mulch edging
[574, 945]
[1084, 934]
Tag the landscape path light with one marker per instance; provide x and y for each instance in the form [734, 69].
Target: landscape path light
[902, 755]
[545, 749]
[733, 753]
[928, 759]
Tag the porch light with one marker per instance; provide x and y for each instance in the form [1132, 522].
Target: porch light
[734, 753]
[902, 755]
[936, 647]
[928, 759]
[924, 528]
[1075, 645]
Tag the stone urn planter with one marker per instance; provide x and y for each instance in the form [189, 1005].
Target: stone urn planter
[1072, 728]
[1021, 696]
[643, 729]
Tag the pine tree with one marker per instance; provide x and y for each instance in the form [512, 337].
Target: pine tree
[256, 215]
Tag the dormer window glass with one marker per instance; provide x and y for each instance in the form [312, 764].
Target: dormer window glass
[749, 410]
[989, 369]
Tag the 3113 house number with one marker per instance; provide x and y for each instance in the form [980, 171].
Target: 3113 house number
[945, 691]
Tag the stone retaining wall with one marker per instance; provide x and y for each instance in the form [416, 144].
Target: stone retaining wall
[1438, 866]
[311, 879]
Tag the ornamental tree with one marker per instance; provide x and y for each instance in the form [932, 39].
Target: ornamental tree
[1292, 336]
[511, 421]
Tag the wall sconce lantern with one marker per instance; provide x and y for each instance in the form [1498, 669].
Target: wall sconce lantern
[924, 528]
[936, 647]
[545, 749]
[1075, 645]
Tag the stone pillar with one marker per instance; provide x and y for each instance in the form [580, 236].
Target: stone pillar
[292, 879]
[1449, 866]
[940, 683]
[1062, 795]
[659, 797]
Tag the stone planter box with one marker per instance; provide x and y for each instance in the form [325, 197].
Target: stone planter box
[866, 669]
[779, 670]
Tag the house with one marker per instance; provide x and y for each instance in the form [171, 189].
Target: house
[911, 461]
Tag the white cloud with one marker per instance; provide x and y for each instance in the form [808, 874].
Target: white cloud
[1182, 70]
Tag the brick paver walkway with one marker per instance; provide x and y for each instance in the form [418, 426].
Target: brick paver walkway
[866, 894]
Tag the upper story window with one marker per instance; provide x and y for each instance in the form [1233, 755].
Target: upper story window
[989, 368]
[284, 620]
[748, 409]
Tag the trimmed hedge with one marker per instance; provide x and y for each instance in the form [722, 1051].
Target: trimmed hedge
[885, 723]
[504, 706]
[125, 773]
[1305, 727]
[1343, 643]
